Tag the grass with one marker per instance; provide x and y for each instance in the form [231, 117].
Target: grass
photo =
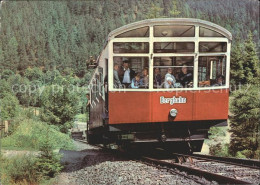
[81, 117]
[18, 148]
[31, 135]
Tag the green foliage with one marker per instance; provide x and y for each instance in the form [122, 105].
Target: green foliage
[155, 11]
[6, 74]
[60, 105]
[63, 35]
[218, 142]
[245, 63]
[9, 106]
[34, 74]
[48, 163]
[237, 73]
[29, 168]
[4, 88]
[245, 121]
[174, 12]
[219, 149]
[19, 169]
[82, 117]
[31, 134]
[251, 61]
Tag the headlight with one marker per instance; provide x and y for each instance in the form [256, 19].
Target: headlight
[173, 112]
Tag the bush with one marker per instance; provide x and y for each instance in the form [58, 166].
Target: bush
[9, 107]
[48, 163]
[30, 169]
[60, 105]
[6, 74]
[19, 169]
[245, 121]
[31, 134]
[221, 150]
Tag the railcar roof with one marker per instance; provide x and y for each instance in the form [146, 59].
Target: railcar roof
[168, 21]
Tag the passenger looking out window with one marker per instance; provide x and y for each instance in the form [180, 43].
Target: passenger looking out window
[169, 82]
[136, 82]
[169, 79]
[220, 81]
[211, 71]
[179, 69]
[185, 77]
[126, 73]
[128, 67]
[145, 78]
[157, 77]
[117, 83]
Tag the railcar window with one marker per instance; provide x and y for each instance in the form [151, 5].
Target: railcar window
[174, 47]
[97, 86]
[212, 71]
[140, 32]
[174, 31]
[131, 72]
[205, 32]
[173, 72]
[93, 90]
[131, 47]
[213, 47]
[101, 81]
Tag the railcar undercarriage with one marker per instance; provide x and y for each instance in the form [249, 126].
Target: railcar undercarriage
[177, 136]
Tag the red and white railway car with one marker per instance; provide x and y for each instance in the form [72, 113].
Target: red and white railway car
[181, 90]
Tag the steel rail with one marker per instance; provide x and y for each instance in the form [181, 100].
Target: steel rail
[198, 172]
[229, 160]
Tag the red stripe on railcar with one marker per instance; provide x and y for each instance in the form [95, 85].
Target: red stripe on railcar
[143, 107]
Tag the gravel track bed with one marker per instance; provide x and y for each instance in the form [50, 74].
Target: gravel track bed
[242, 173]
[91, 165]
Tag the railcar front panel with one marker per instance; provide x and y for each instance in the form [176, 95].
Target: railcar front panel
[146, 107]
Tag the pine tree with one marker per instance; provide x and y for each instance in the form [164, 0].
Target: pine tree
[154, 12]
[245, 122]
[174, 12]
[236, 68]
[251, 60]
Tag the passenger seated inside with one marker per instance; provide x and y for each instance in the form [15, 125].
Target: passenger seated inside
[169, 82]
[136, 81]
[126, 74]
[116, 83]
[169, 79]
[157, 81]
[145, 78]
[185, 77]
[220, 80]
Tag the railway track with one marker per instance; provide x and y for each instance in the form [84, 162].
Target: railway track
[202, 169]
[219, 169]
[195, 170]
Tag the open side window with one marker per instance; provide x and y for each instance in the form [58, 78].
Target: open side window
[173, 72]
[212, 71]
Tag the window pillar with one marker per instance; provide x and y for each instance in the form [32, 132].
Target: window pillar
[151, 59]
[196, 58]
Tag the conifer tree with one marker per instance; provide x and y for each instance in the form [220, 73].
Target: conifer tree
[251, 60]
[245, 122]
[174, 12]
[155, 11]
[236, 65]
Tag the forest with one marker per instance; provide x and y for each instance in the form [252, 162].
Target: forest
[62, 35]
[44, 49]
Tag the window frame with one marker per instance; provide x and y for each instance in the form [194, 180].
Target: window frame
[132, 89]
[186, 52]
[151, 39]
[192, 26]
[225, 67]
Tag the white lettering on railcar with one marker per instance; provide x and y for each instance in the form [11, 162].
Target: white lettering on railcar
[172, 100]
